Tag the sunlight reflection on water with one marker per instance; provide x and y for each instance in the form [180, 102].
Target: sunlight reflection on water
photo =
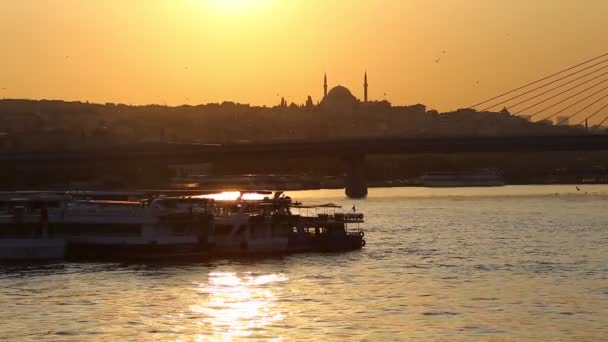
[237, 306]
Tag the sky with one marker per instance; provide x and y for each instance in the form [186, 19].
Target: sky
[446, 54]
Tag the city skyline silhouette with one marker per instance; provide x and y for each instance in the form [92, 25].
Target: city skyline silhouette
[446, 55]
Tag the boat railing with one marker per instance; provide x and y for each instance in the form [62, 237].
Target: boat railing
[349, 217]
[355, 231]
[341, 217]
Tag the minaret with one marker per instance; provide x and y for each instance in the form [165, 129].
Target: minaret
[365, 87]
[325, 86]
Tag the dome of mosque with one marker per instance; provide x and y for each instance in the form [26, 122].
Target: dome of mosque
[340, 93]
[340, 97]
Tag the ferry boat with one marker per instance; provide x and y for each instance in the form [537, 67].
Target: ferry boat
[23, 238]
[168, 228]
[124, 230]
[279, 225]
[449, 179]
[164, 228]
[322, 228]
[249, 227]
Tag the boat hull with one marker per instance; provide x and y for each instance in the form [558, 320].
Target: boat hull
[32, 249]
[326, 243]
[133, 252]
[251, 247]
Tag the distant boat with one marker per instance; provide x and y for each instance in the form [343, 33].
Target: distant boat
[450, 179]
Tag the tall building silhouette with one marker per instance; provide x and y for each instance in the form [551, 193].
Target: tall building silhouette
[365, 87]
[325, 86]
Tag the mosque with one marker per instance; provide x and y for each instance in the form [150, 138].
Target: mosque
[341, 97]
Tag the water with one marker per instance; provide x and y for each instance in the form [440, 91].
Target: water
[512, 263]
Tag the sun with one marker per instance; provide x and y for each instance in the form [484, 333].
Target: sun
[238, 6]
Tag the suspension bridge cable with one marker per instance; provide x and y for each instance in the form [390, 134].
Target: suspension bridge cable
[563, 100]
[565, 84]
[594, 114]
[577, 102]
[601, 122]
[586, 107]
[540, 80]
[565, 91]
[542, 86]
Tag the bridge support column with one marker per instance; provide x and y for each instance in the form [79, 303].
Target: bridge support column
[355, 183]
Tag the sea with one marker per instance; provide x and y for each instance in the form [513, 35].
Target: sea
[514, 263]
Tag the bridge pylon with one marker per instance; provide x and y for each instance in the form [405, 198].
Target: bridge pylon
[355, 183]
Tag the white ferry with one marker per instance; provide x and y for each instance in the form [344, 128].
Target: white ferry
[106, 229]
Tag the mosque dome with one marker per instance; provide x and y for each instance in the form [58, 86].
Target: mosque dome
[340, 96]
[340, 92]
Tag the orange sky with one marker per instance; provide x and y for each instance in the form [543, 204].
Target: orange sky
[255, 51]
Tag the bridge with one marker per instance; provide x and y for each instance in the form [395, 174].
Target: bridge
[353, 151]
[577, 95]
